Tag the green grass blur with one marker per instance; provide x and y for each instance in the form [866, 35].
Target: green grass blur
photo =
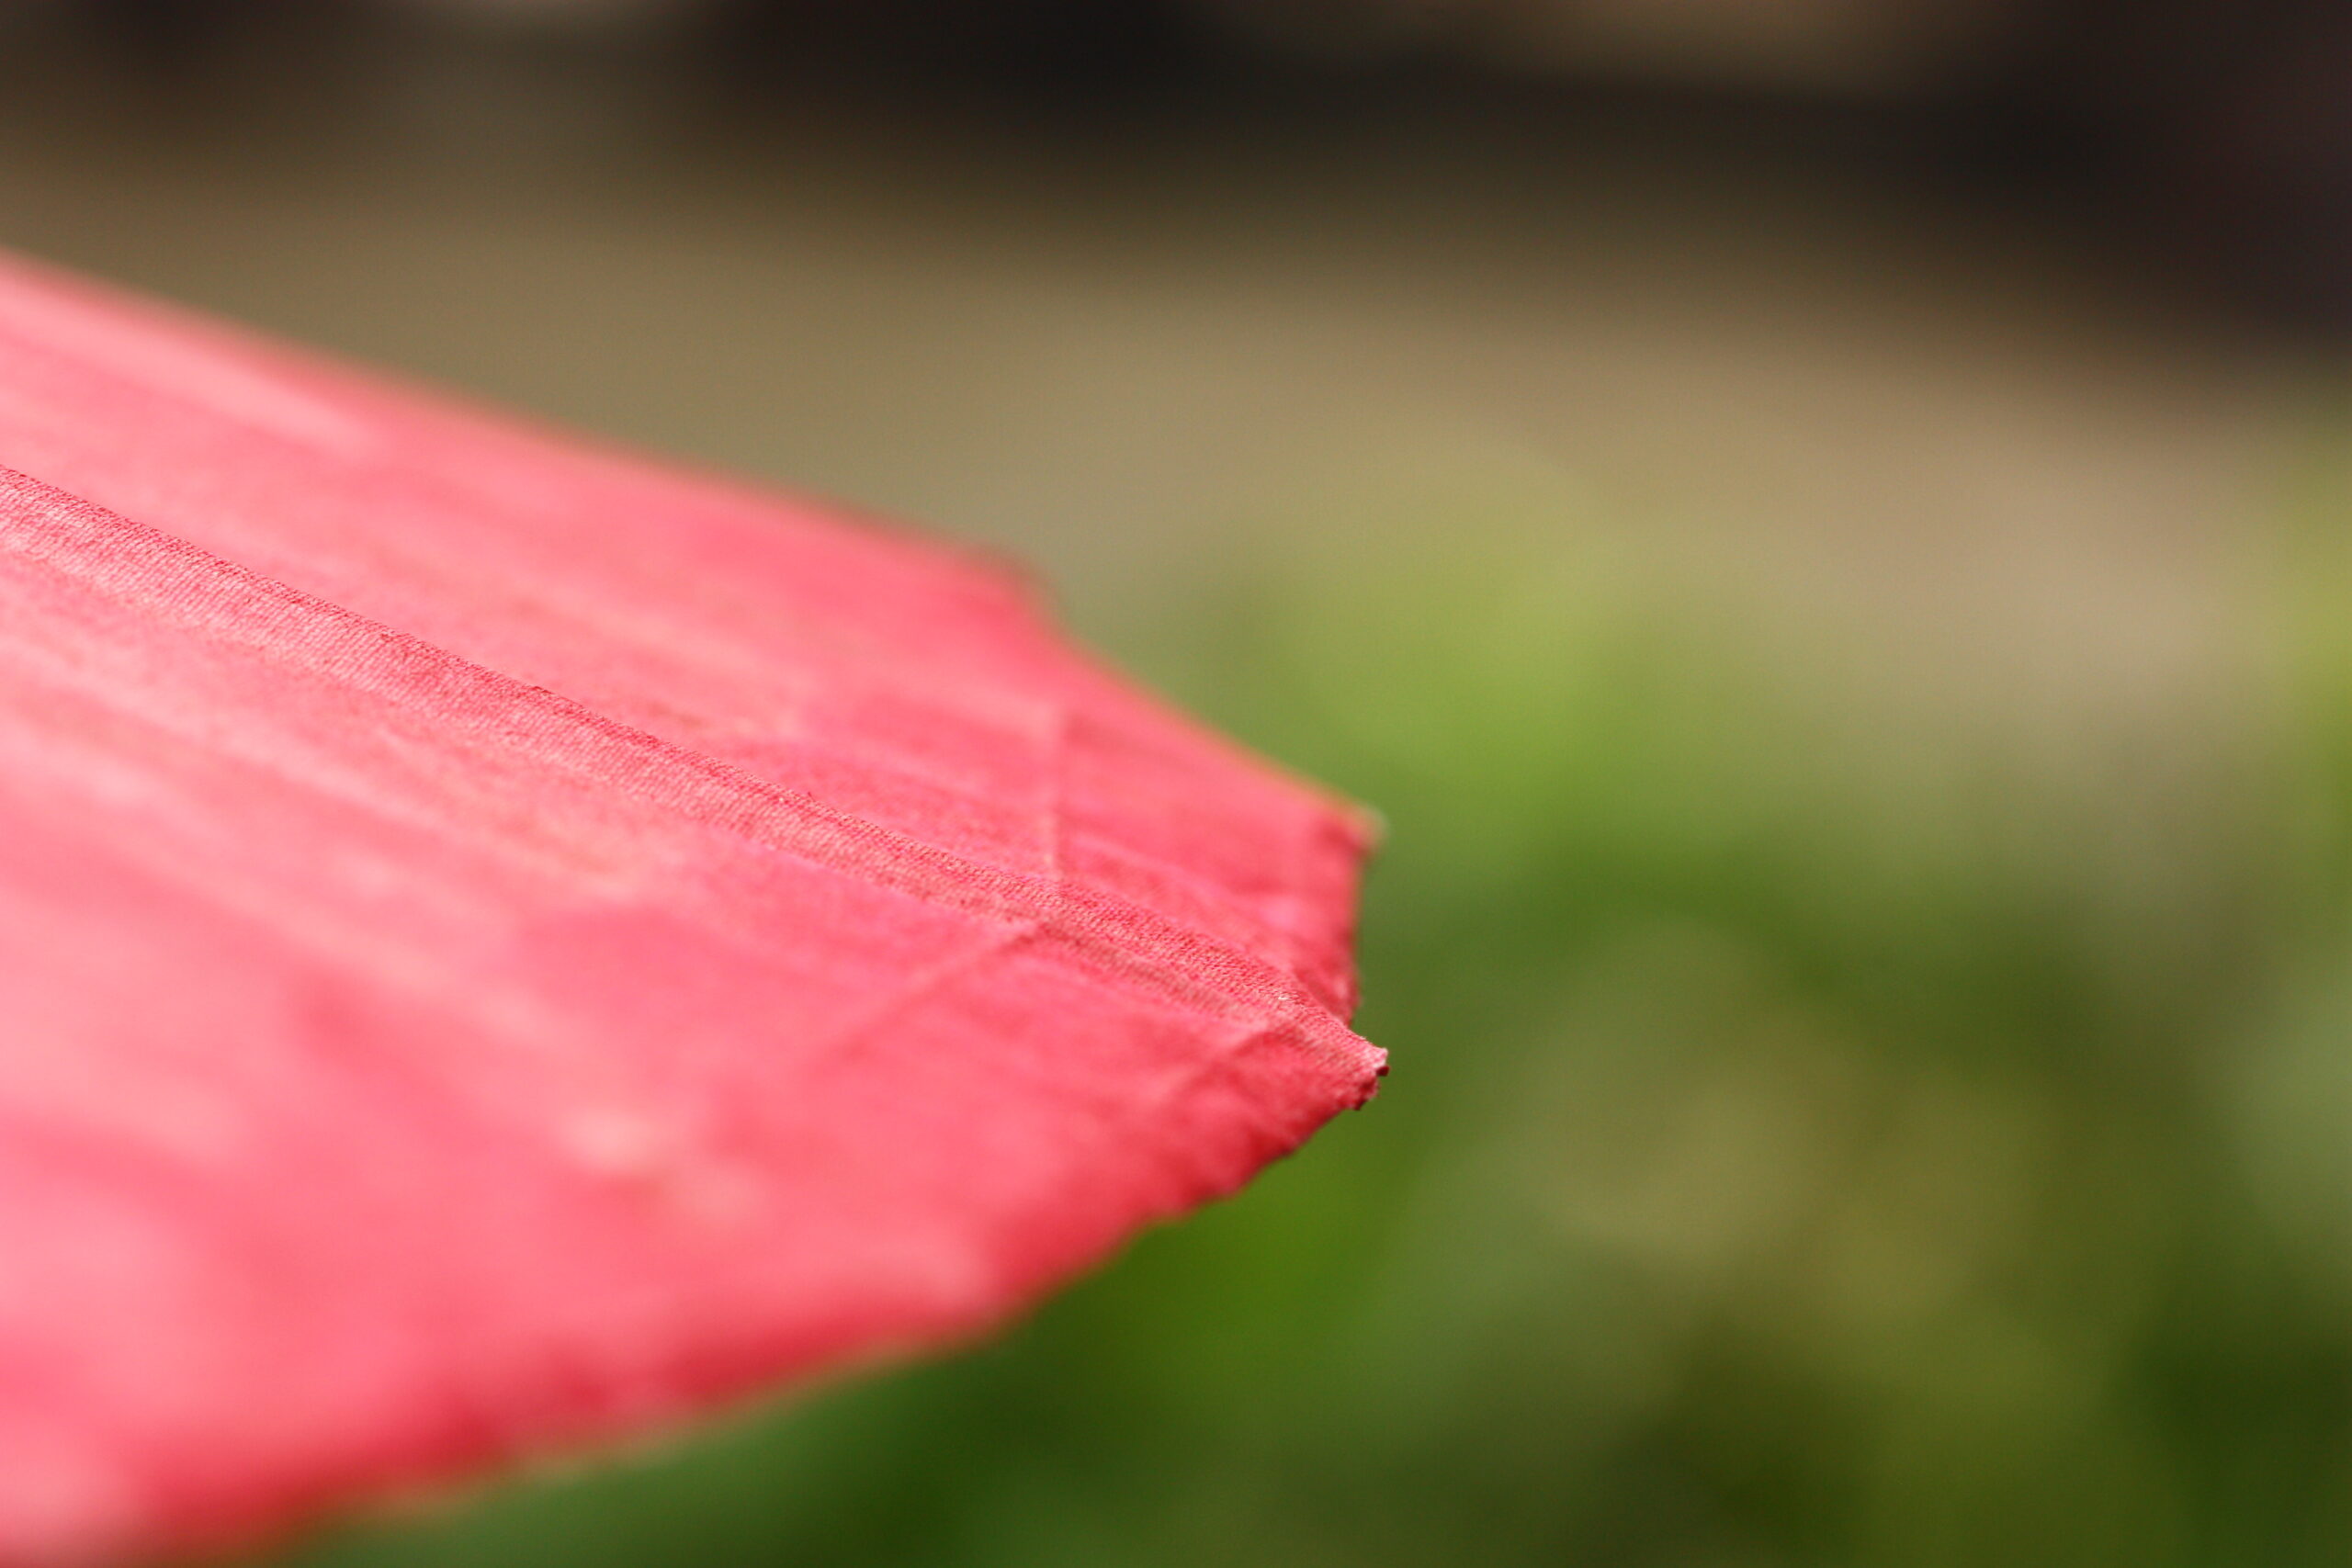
[1835, 1121]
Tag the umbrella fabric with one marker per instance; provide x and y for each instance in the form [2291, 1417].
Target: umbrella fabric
[504, 944]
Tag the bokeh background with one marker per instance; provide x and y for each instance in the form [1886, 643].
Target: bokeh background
[1825, 526]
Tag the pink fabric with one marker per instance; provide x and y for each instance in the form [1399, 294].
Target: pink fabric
[502, 944]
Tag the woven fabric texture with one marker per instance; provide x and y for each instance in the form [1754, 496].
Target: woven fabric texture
[504, 944]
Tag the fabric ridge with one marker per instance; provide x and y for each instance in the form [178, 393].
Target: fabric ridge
[504, 944]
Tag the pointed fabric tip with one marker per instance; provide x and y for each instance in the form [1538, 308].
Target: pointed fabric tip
[502, 944]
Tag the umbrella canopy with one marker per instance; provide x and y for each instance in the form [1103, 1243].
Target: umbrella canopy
[504, 944]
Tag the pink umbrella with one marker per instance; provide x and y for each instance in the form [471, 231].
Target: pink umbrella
[502, 944]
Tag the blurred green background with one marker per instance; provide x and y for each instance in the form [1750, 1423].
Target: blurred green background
[1856, 664]
[1830, 1125]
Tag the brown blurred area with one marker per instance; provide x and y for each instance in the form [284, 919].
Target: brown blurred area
[2223, 128]
[1927, 284]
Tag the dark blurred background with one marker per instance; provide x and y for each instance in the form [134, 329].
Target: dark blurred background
[1824, 526]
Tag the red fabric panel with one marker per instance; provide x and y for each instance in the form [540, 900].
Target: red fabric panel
[502, 943]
